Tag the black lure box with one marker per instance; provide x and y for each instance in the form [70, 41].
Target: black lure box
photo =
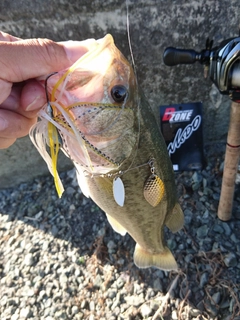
[181, 126]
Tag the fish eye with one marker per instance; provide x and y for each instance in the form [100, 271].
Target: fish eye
[119, 93]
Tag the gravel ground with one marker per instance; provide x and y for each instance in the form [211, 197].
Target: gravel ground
[60, 259]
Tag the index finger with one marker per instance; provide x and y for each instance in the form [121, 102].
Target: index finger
[26, 59]
[21, 60]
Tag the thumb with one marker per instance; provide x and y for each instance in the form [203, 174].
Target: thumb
[32, 58]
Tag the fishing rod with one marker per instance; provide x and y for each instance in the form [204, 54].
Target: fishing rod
[222, 65]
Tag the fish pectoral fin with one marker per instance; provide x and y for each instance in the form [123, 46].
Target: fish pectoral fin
[82, 182]
[164, 260]
[116, 225]
[175, 220]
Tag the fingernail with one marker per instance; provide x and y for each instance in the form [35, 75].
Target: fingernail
[3, 124]
[34, 105]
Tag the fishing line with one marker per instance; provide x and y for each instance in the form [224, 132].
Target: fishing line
[129, 41]
[135, 72]
[46, 81]
[150, 163]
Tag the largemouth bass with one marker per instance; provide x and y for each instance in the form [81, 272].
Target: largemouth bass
[97, 115]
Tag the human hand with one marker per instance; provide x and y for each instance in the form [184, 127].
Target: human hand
[21, 95]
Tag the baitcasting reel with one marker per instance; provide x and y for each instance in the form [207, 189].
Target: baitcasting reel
[221, 62]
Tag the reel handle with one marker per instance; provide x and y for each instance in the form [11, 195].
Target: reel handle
[173, 56]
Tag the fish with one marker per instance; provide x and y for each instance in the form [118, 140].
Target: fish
[99, 117]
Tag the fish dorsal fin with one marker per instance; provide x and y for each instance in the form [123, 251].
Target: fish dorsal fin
[163, 260]
[116, 225]
[175, 221]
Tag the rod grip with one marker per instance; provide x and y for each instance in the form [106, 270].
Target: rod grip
[230, 164]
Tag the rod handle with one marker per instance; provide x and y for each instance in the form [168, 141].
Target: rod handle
[230, 164]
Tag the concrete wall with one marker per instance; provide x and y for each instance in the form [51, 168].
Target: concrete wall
[154, 25]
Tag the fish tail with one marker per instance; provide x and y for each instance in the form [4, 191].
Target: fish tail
[175, 221]
[163, 260]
